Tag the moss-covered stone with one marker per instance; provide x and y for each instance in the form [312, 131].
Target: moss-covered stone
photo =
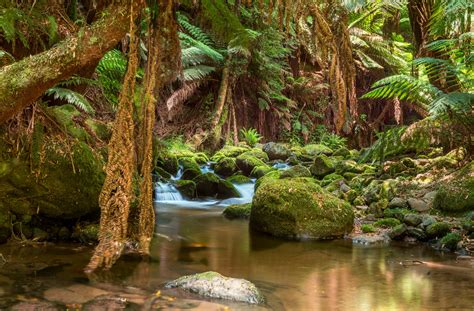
[450, 241]
[187, 188]
[168, 162]
[86, 233]
[294, 208]
[65, 185]
[162, 174]
[398, 213]
[190, 174]
[276, 151]
[349, 166]
[397, 232]
[322, 166]
[257, 153]
[342, 152]
[99, 128]
[457, 195]
[246, 163]
[387, 223]
[239, 179]
[261, 170]
[296, 171]
[229, 151]
[328, 179]
[267, 177]
[210, 185]
[238, 211]
[317, 149]
[64, 116]
[226, 167]
[438, 229]
[189, 163]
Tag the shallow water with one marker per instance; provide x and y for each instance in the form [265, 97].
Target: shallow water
[309, 275]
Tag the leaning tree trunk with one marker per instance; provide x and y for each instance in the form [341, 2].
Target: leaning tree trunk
[23, 82]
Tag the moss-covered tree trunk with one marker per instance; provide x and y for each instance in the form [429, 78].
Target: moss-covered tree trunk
[23, 82]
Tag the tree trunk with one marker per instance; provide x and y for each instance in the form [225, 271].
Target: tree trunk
[23, 82]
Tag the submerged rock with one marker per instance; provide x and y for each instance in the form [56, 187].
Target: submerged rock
[371, 240]
[276, 151]
[214, 285]
[296, 208]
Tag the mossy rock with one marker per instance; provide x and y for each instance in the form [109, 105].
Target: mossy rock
[64, 116]
[368, 228]
[237, 211]
[450, 241]
[229, 152]
[387, 223]
[200, 158]
[342, 152]
[191, 173]
[276, 151]
[398, 213]
[168, 162]
[349, 166]
[438, 229]
[258, 153]
[162, 173]
[210, 185]
[86, 233]
[246, 163]
[261, 170]
[226, 167]
[317, 149]
[296, 171]
[267, 177]
[239, 179]
[189, 163]
[322, 166]
[328, 179]
[187, 188]
[100, 129]
[296, 209]
[66, 185]
[457, 195]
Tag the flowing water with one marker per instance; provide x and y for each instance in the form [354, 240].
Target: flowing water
[192, 236]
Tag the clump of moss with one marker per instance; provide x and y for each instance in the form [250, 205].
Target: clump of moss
[238, 211]
[387, 222]
[438, 229]
[398, 213]
[367, 228]
[239, 179]
[450, 241]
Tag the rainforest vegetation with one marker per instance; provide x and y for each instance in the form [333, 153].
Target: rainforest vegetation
[346, 119]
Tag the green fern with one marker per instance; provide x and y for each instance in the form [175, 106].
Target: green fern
[250, 136]
[71, 97]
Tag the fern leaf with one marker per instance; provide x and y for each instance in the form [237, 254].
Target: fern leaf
[71, 97]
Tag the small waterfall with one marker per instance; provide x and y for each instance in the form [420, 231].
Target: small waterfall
[246, 194]
[206, 168]
[178, 174]
[166, 192]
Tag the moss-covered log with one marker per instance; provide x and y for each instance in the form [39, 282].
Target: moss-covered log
[23, 82]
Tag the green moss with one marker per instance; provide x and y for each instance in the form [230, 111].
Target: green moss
[438, 229]
[239, 179]
[226, 167]
[387, 222]
[331, 178]
[322, 166]
[239, 211]
[367, 228]
[451, 241]
[247, 163]
[229, 151]
[316, 149]
[261, 170]
[191, 173]
[296, 171]
[100, 129]
[398, 213]
[267, 177]
[64, 117]
[189, 163]
[457, 195]
[257, 153]
[186, 188]
[343, 152]
[295, 208]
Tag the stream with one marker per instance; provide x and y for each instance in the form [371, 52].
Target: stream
[193, 236]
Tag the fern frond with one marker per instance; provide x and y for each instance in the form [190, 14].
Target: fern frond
[197, 72]
[182, 95]
[71, 97]
[457, 102]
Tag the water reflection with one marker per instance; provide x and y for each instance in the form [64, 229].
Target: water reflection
[293, 275]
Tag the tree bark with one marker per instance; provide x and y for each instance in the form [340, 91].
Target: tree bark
[23, 82]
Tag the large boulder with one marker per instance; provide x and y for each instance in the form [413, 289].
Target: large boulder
[186, 188]
[298, 209]
[458, 194]
[226, 167]
[322, 166]
[63, 182]
[276, 151]
[214, 285]
[246, 163]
